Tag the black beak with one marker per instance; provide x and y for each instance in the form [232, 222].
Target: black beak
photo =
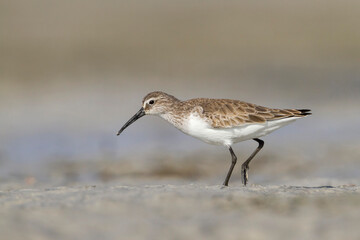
[138, 115]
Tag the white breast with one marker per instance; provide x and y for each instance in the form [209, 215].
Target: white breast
[197, 127]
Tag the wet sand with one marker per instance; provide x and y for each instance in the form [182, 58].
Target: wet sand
[181, 211]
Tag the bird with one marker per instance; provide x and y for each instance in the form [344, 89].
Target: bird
[221, 122]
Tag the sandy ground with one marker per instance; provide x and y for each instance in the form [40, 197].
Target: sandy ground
[181, 211]
[289, 196]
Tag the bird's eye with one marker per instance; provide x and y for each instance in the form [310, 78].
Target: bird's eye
[151, 102]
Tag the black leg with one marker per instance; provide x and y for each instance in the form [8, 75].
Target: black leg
[233, 162]
[245, 165]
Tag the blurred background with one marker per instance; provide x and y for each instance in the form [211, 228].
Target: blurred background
[72, 72]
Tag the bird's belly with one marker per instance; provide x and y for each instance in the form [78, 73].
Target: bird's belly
[226, 136]
[200, 129]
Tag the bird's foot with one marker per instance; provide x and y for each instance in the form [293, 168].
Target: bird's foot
[224, 186]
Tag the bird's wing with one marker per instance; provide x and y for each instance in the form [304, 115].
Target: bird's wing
[226, 113]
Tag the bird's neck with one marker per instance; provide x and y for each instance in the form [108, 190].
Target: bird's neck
[176, 115]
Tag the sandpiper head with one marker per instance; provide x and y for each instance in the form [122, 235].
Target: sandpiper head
[154, 103]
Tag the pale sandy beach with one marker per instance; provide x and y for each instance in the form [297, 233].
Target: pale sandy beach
[181, 211]
[170, 198]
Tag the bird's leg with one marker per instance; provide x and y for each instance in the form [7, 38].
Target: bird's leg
[245, 165]
[233, 162]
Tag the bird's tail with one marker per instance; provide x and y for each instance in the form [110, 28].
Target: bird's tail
[304, 112]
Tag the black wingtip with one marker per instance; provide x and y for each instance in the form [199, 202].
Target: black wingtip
[304, 112]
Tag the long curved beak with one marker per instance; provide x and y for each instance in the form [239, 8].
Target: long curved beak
[138, 115]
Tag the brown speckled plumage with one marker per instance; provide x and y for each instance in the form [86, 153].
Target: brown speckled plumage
[226, 113]
[222, 113]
